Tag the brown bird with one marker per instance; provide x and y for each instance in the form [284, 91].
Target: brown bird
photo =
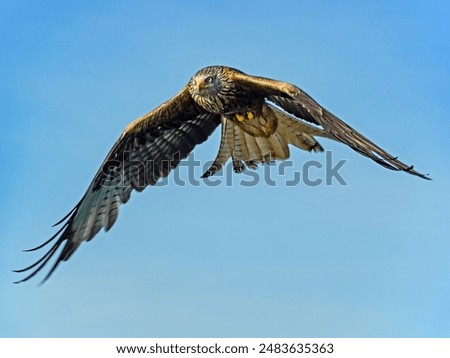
[260, 117]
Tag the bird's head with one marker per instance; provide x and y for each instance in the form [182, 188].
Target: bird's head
[206, 82]
[213, 88]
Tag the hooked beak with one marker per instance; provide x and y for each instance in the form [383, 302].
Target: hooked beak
[201, 85]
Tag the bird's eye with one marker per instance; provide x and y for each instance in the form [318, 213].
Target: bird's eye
[209, 79]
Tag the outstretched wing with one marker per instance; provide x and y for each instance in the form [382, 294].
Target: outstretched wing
[146, 151]
[298, 103]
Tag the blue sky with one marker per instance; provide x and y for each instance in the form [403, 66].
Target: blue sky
[370, 259]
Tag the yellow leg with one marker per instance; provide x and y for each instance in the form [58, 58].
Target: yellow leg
[240, 117]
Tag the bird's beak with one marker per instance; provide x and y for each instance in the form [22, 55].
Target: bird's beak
[201, 85]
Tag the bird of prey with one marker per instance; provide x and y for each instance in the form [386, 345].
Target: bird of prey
[259, 118]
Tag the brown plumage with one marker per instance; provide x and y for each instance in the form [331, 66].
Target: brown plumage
[260, 117]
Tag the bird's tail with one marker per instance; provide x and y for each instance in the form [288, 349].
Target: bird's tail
[246, 150]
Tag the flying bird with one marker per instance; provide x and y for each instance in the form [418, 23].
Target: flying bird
[259, 119]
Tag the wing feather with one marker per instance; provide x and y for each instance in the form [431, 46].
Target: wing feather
[298, 103]
[147, 150]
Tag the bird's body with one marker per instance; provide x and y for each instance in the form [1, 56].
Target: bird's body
[259, 119]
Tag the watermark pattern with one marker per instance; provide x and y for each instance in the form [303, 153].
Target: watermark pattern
[287, 173]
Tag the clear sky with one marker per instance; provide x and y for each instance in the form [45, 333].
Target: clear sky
[369, 259]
